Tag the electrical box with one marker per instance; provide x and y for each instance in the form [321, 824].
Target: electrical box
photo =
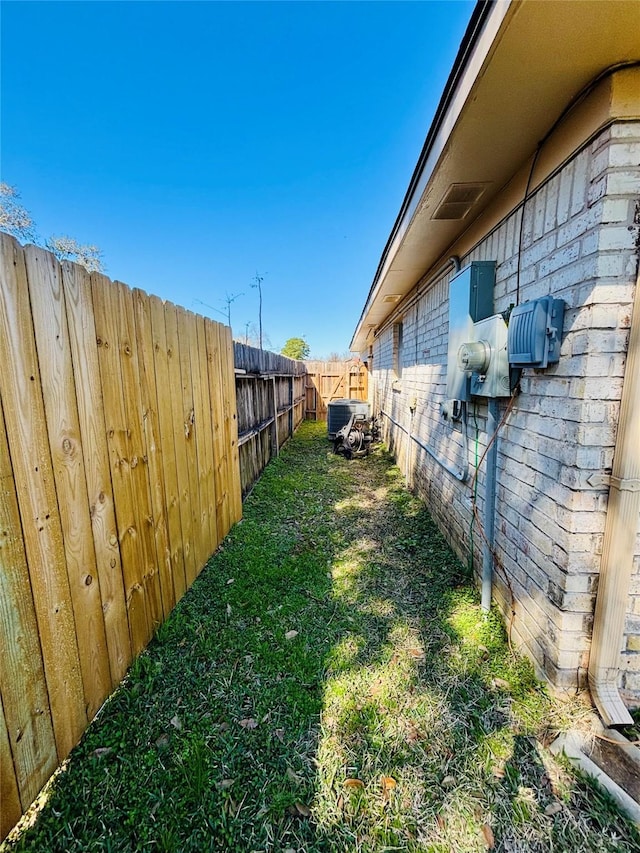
[470, 300]
[535, 333]
[484, 358]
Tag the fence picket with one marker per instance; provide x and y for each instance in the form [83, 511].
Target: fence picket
[54, 356]
[105, 301]
[188, 442]
[84, 354]
[178, 419]
[30, 744]
[21, 393]
[149, 408]
[231, 425]
[212, 337]
[10, 808]
[204, 435]
[168, 451]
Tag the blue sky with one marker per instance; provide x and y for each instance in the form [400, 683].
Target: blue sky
[198, 143]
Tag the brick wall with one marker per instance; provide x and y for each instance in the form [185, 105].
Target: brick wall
[577, 242]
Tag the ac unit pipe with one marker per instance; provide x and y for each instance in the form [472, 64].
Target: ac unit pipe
[621, 528]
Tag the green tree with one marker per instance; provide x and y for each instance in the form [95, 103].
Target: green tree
[296, 348]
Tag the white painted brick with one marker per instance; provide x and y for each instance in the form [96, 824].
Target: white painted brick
[599, 163]
[624, 154]
[564, 196]
[580, 183]
[616, 237]
[623, 183]
[617, 210]
[562, 258]
[578, 225]
[590, 243]
[597, 190]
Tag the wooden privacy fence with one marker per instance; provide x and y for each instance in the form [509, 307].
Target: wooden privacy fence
[119, 476]
[333, 380]
[270, 398]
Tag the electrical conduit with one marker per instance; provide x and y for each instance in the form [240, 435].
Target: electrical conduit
[489, 504]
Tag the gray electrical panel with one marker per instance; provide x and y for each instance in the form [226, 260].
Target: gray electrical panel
[535, 333]
[470, 300]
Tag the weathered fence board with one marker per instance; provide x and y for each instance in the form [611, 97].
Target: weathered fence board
[270, 405]
[116, 412]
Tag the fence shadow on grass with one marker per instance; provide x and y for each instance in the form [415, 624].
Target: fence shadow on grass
[326, 685]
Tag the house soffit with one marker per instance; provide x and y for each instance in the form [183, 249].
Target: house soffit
[535, 58]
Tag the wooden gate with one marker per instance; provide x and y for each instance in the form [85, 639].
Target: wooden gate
[333, 380]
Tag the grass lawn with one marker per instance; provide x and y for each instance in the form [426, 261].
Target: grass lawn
[328, 684]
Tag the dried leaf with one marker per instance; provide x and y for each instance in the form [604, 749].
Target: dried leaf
[440, 821]
[101, 751]
[162, 742]
[500, 684]
[291, 635]
[448, 781]
[249, 723]
[228, 610]
[226, 783]
[293, 776]
[553, 808]
[279, 733]
[340, 802]
[414, 735]
[175, 722]
[418, 655]
[489, 838]
[230, 581]
[388, 783]
[353, 783]
[303, 811]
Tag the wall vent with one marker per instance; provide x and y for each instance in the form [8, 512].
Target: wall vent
[458, 201]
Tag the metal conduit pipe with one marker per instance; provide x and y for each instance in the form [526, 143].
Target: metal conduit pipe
[462, 474]
[621, 528]
[489, 506]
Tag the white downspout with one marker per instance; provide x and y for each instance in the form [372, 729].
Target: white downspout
[621, 528]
